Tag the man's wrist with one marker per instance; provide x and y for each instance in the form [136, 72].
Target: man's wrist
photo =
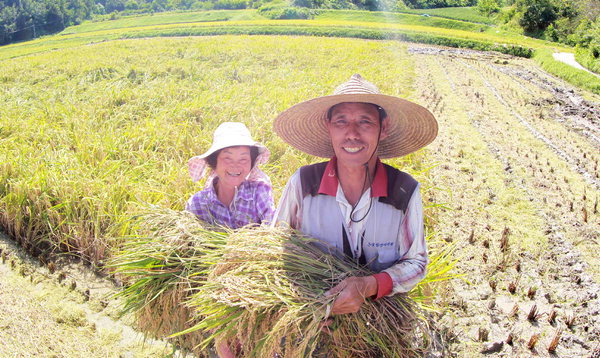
[384, 284]
[370, 283]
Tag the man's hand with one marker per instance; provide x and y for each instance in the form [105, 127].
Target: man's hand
[352, 292]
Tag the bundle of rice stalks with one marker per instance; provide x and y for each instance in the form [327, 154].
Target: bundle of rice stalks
[157, 265]
[265, 290]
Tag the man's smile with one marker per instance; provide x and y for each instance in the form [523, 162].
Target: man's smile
[353, 149]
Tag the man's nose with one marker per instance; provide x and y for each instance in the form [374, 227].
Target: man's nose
[352, 132]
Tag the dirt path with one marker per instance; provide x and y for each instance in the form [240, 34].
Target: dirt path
[70, 312]
[569, 59]
[518, 155]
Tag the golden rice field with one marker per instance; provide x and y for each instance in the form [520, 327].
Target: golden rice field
[121, 119]
[91, 134]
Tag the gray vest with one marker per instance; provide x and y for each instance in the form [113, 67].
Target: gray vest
[380, 242]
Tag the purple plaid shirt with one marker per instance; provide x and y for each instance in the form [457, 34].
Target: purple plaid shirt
[252, 203]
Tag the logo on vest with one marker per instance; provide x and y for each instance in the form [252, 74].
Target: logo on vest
[380, 244]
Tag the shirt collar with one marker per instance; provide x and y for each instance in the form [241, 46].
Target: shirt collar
[329, 181]
[243, 191]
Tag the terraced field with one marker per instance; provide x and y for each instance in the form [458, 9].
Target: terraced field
[89, 133]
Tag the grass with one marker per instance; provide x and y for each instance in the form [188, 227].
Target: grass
[469, 14]
[53, 321]
[364, 30]
[164, 18]
[329, 23]
[445, 31]
[586, 58]
[397, 18]
[578, 78]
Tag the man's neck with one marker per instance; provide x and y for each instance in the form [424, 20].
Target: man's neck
[354, 179]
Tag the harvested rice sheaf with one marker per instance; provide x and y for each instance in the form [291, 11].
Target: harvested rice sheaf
[266, 291]
[260, 288]
[156, 265]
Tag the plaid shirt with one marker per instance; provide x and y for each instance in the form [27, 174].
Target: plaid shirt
[252, 203]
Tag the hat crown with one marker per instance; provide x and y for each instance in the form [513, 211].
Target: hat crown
[230, 130]
[356, 85]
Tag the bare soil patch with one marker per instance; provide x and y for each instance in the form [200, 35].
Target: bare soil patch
[63, 310]
[517, 161]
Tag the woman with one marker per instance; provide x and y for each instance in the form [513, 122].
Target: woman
[236, 192]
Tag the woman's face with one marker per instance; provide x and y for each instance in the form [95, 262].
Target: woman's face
[233, 165]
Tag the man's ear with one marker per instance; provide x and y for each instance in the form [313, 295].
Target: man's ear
[384, 128]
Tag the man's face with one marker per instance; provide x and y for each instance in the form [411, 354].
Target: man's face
[354, 132]
[233, 165]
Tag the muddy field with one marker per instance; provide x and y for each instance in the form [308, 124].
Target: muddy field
[517, 163]
[516, 167]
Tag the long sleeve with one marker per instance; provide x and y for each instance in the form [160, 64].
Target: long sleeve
[197, 205]
[411, 267]
[265, 205]
[289, 209]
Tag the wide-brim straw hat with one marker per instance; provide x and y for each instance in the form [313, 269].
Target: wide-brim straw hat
[304, 125]
[227, 134]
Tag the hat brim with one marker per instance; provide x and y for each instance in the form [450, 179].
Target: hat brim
[304, 125]
[198, 166]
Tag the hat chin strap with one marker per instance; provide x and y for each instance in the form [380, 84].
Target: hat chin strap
[370, 179]
[366, 164]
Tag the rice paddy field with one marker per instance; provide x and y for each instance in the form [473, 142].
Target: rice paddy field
[95, 126]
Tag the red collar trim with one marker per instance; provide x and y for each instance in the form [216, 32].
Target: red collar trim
[329, 181]
[380, 182]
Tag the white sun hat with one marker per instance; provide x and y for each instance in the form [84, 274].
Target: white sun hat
[304, 125]
[228, 134]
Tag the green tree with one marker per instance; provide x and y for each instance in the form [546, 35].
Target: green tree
[488, 7]
[8, 23]
[536, 14]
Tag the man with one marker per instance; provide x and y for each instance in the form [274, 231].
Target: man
[355, 204]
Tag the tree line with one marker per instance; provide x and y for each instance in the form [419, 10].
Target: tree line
[25, 19]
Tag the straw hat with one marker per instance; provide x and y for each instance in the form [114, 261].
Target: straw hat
[227, 134]
[304, 126]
